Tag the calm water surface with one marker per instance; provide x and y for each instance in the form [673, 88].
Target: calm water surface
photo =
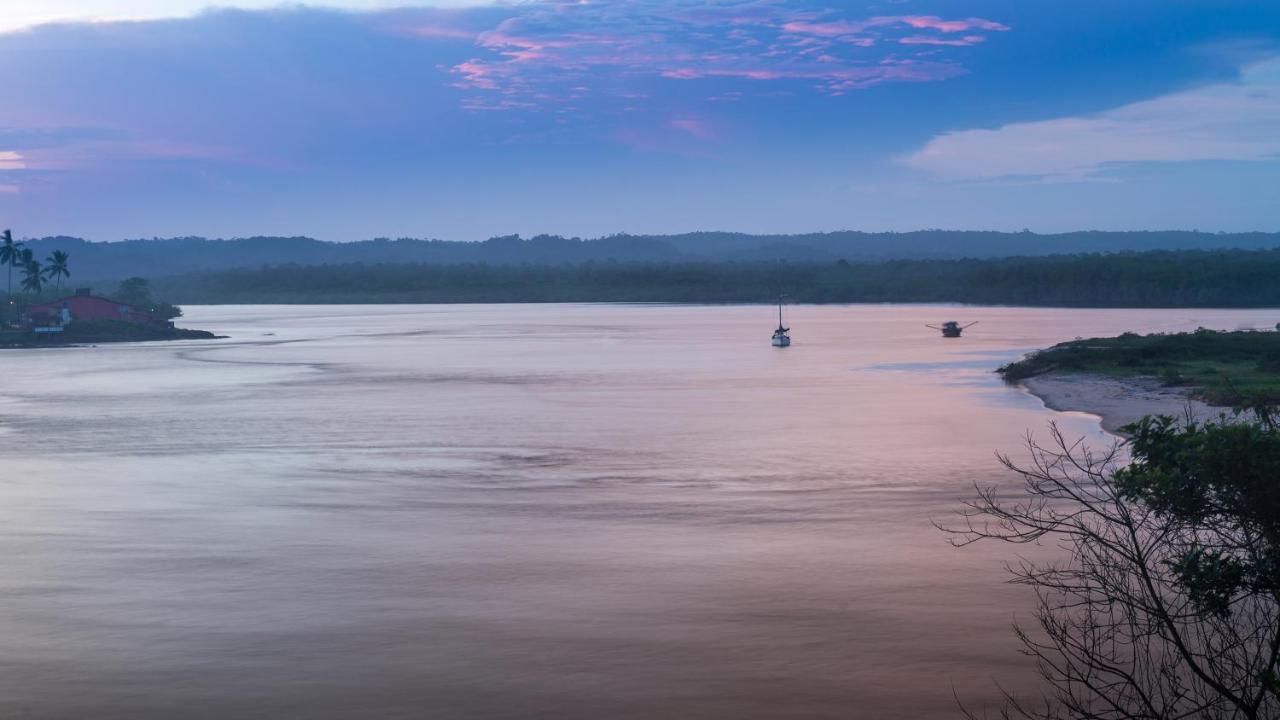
[517, 511]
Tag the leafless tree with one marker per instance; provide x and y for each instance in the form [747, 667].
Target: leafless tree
[1118, 633]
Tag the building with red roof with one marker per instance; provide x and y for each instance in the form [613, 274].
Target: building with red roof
[84, 305]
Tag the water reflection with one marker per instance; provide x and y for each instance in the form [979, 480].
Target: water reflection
[516, 511]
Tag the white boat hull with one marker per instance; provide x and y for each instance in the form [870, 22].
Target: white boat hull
[781, 341]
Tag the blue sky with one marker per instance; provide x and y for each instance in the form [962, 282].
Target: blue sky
[587, 117]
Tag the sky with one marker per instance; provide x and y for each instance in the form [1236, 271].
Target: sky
[467, 119]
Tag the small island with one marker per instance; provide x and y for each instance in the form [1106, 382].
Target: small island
[93, 332]
[84, 318]
[39, 318]
[1121, 379]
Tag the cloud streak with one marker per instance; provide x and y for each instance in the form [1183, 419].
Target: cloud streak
[10, 160]
[1228, 121]
[606, 47]
[23, 14]
[965, 41]
[851, 28]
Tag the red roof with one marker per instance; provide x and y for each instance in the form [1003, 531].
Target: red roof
[92, 307]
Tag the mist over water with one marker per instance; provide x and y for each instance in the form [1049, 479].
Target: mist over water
[567, 511]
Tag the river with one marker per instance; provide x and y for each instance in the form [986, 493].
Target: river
[490, 512]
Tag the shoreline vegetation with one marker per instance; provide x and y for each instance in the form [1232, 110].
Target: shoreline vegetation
[1122, 379]
[44, 315]
[1218, 278]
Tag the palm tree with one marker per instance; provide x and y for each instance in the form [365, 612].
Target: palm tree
[9, 252]
[32, 283]
[56, 267]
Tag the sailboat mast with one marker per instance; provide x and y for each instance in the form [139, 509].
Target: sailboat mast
[779, 311]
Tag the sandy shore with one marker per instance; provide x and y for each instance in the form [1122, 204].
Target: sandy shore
[1117, 401]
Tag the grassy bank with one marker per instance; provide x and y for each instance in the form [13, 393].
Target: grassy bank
[1223, 368]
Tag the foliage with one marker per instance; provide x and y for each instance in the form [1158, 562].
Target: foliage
[134, 291]
[1222, 475]
[56, 267]
[1165, 604]
[16, 255]
[10, 252]
[165, 311]
[1226, 367]
[137, 291]
[32, 274]
[174, 256]
[1160, 279]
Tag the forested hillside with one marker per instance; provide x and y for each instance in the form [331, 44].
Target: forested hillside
[115, 260]
[1155, 279]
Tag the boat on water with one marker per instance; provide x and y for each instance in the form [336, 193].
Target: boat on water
[951, 328]
[780, 336]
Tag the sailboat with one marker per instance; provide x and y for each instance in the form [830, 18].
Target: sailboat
[780, 336]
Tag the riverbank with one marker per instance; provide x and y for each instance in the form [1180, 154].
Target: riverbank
[101, 332]
[1220, 368]
[1124, 378]
[1116, 401]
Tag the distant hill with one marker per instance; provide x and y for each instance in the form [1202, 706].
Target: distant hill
[92, 261]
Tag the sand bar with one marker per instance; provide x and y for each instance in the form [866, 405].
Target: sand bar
[1117, 401]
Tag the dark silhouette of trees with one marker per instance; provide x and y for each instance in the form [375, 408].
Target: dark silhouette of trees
[137, 291]
[134, 291]
[1162, 279]
[56, 267]
[10, 253]
[32, 280]
[1166, 603]
[154, 258]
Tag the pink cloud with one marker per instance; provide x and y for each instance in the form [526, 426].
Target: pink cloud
[477, 75]
[933, 22]
[751, 74]
[10, 160]
[846, 28]
[837, 81]
[965, 41]
[553, 54]
[828, 29]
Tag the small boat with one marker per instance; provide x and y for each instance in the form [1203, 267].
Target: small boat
[951, 328]
[780, 336]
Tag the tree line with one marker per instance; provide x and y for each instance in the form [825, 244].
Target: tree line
[172, 256]
[34, 274]
[35, 277]
[1193, 278]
